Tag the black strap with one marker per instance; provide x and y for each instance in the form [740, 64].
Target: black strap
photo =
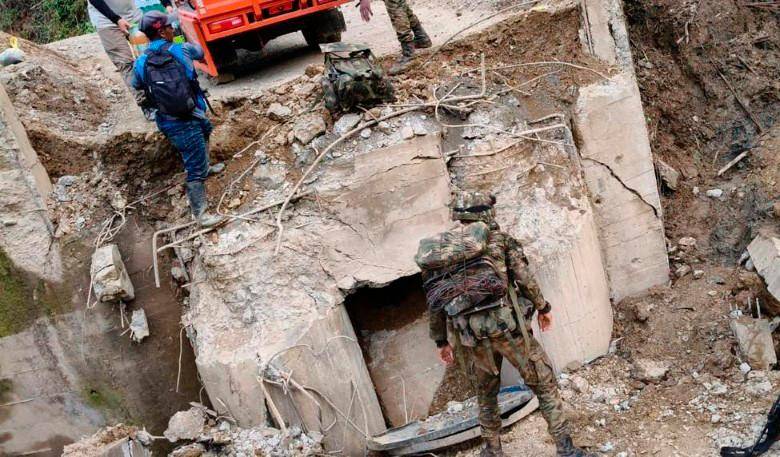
[769, 435]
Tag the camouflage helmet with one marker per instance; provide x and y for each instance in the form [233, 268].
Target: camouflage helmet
[472, 206]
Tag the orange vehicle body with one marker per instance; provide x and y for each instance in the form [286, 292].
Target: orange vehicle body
[207, 22]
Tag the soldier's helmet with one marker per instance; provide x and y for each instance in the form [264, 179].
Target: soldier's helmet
[470, 206]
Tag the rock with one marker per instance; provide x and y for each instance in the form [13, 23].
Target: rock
[11, 56]
[715, 193]
[647, 370]
[109, 276]
[185, 425]
[271, 175]
[669, 175]
[754, 338]
[765, 256]
[346, 123]
[118, 201]
[454, 407]
[190, 450]
[313, 70]
[643, 311]
[744, 368]
[179, 275]
[698, 274]
[66, 180]
[682, 271]
[308, 127]
[365, 134]
[580, 384]
[234, 203]
[758, 384]
[304, 89]
[139, 326]
[278, 112]
[749, 266]
[687, 242]
[407, 132]
[776, 209]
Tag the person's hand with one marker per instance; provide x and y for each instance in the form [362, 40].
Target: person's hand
[366, 13]
[124, 26]
[446, 355]
[545, 321]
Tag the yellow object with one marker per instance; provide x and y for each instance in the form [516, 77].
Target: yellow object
[14, 42]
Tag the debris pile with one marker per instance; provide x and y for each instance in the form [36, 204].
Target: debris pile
[216, 436]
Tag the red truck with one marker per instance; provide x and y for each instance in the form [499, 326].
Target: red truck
[223, 26]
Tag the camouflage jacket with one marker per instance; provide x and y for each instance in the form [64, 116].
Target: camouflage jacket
[512, 266]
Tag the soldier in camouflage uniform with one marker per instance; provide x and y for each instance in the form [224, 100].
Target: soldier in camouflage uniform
[498, 335]
[407, 27]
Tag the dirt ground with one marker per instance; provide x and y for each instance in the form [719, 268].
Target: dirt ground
[693, 60]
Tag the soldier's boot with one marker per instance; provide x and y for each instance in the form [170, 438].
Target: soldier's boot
[567, 449]
[421, 38]
[403, 62]
[491, 447]
[196, 194]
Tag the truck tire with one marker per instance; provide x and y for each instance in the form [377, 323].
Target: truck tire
[325, 27]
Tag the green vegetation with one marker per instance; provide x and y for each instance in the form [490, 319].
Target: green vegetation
[21, 303]
[104, 399]
[44, 21]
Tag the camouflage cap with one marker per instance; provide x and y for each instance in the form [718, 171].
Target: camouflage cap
[472, 206]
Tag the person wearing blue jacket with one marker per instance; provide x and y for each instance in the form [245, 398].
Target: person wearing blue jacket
[166, 73]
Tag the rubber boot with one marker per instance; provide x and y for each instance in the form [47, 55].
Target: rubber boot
[196, 194]
[403, 62]
[491, 447]
[421, 38]
[567, 449]
[217, 168]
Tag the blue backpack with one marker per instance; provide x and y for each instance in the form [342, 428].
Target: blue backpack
[167, 86]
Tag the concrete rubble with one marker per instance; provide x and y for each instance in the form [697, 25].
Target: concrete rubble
[139, 326]
[764, 253]
[754, 338]
[110, 281]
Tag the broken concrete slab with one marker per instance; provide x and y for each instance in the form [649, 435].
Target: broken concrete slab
[139, 327]
[185, 425]
[754, 338]
[109, 275]
[764, 253]
[618, 168]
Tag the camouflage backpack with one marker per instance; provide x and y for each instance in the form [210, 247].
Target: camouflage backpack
[353, 77]
[460, 275]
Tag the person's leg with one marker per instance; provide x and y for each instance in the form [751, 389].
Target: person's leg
[421, 38]
[118, 50]
[397, 10]
[538, 374]
[188, 138]
[487, 384]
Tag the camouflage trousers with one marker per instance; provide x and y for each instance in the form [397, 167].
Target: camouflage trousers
[537, 373]
[403, 19]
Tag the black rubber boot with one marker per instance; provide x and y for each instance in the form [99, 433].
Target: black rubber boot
[421, 38]
[403, 62]
[196, 194]
[491, 447]
[567, 449]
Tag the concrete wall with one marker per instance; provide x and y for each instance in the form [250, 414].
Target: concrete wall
[617, 160]
[618, 168]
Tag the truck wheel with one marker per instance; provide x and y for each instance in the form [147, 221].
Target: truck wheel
[325, 27]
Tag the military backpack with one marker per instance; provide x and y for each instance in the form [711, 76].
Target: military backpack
[353, 77]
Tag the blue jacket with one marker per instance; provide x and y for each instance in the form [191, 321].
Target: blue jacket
[186, 54]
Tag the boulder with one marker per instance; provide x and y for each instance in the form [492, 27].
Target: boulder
[185, 425]
[647, 370]
[110, 281]
[308, 127]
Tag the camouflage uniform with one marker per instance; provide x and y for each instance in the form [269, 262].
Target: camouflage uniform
[403, 19]
[536, 370]
[496, 334]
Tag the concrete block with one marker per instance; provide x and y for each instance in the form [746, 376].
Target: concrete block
[754, 337]
[764, 251]
[125, 447]
[110, 279]
[618, 169]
